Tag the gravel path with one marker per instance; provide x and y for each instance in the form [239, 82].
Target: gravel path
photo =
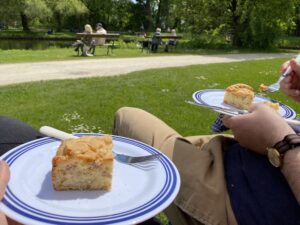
[72, 69]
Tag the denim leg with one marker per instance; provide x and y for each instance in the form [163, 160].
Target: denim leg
[14, 132]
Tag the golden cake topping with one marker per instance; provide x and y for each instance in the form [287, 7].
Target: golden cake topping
[240, 89]
[87, 147]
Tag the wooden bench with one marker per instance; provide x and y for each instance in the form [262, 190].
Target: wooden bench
[162, 37]
[109, 39]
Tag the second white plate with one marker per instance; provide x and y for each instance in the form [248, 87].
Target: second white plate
[215, 97]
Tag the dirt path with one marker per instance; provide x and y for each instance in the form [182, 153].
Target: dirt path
[72, 69]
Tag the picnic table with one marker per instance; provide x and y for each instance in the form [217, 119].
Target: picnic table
[170, 37]
[110, 39]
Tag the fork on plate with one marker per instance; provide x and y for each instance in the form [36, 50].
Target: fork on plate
[135, 159]
[227, 111]
[235, 111]
[276, 86]
[61, 135]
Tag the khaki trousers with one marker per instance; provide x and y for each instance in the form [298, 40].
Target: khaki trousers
[203, 198]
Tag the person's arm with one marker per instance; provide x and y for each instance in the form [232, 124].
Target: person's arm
[263, 127]
[4, 178]
[291, 171]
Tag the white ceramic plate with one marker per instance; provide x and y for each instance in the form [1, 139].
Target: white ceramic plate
[138, 192]
[215, 97]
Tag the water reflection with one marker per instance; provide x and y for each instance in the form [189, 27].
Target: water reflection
[33, 44]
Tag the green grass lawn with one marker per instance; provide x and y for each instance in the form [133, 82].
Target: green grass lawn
[17, 56]
[51, 54]
[89, 104]
[122, 51]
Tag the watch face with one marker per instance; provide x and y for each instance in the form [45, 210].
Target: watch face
[274, 157]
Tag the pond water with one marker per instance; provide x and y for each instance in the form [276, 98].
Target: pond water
[33, 44]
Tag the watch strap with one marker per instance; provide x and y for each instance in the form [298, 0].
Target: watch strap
[290, 141]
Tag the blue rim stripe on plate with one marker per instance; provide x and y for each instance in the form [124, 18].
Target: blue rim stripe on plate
[167, 190]
[198, 97]
[145, 149]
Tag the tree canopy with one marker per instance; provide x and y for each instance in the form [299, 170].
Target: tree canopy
[249, 23]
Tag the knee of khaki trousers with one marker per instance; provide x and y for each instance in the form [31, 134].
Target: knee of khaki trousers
[177, 217]
[142, 126]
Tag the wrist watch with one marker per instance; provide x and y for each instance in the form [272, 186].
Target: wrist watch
[275, 154]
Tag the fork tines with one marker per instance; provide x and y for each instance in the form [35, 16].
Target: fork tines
[136, 159]
[144, 158]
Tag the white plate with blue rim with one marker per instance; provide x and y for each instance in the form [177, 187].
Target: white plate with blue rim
[214, 97]
[138, 192]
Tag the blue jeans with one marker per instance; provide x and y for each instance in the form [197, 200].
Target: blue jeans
[14, 132]
[259, 193]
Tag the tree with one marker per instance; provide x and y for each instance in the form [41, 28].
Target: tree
[41, 10]
[264, 23]
[251, 23]
[99, 11]
[64, 8]
[297, 17]
[26, 10]
[121, 14]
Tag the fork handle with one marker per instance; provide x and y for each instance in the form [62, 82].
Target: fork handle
[55, 133]
[288, 71]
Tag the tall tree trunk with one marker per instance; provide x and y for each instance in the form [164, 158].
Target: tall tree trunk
[167, 12]
[79, 27]
[234, 33]
[176, 22]
[24, 20]
[162, 17]
[297, 31]
[149, 20]
[58, 22]
[159, 14]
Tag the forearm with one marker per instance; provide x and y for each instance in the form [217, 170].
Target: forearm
[291, 171]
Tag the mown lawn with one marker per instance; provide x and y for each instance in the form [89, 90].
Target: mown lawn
[122, 51]
[89, 104]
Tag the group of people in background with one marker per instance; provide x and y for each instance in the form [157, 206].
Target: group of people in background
[156, 40]
[87, 44]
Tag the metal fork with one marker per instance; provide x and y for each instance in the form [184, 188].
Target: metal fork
[227, 111]
[61, 135]
[235, 112]
[135, 159]
[276, 86]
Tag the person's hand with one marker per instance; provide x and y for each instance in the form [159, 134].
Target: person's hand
[262, 127]
[4, 178]
[291, 84]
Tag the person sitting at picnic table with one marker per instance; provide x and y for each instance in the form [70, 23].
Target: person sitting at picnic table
[156, 40]
[84, 44]
[172, 41]
[98, 41]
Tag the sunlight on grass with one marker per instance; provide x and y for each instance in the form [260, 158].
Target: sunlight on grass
[161, 91]
[124, 51]
[77, 125]
[88, 105]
